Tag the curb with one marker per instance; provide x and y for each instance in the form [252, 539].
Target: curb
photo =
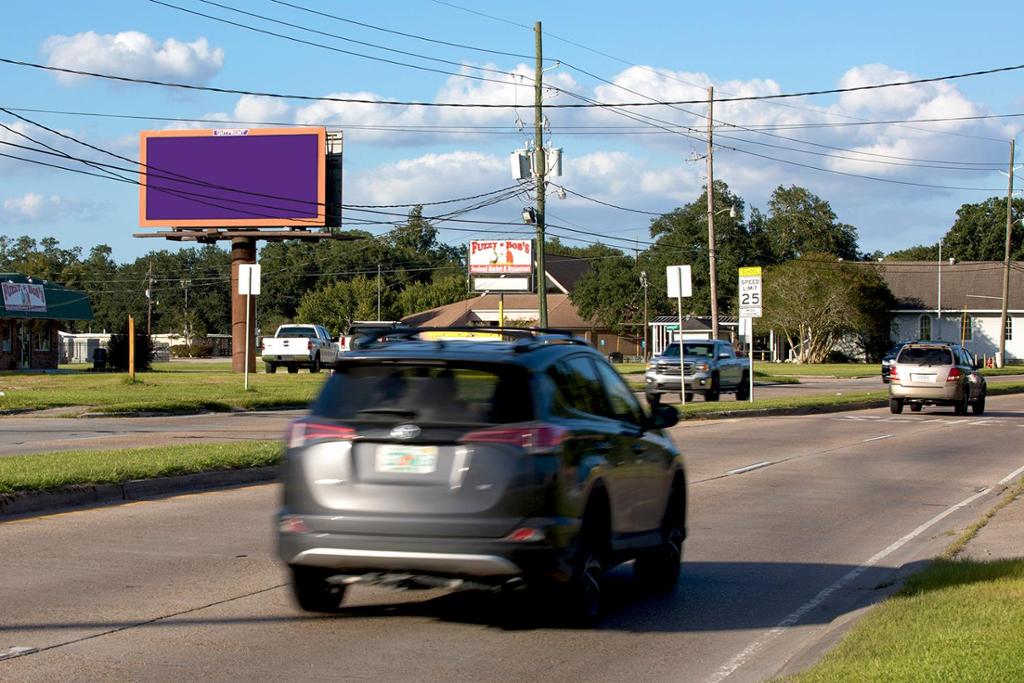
[27, 504]
[798, 410]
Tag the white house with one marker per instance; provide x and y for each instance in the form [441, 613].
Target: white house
[959, 302]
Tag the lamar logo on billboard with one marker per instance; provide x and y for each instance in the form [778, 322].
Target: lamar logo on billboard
[500, 256]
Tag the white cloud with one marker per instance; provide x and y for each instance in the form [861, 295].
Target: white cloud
[430, 177]
[33, 207]
[133, 54]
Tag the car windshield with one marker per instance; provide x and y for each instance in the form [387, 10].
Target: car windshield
[925, 355]
[671, 351]
[702, 350]
[388, 391]
[305, 332]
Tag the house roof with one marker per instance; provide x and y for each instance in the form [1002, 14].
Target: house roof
[565, 271]
[696, 322]
[561, 313]
[60, 302]
[976, 285]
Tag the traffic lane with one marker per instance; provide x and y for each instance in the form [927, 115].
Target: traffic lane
[20, 435]
[716, 447]
[762, 545]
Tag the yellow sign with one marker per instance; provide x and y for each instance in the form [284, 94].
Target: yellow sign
[750, 271]
[448, 335]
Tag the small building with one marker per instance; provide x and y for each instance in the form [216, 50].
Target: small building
[665, 329]
[30, 314]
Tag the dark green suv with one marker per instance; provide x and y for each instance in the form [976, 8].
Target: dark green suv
[522, 459]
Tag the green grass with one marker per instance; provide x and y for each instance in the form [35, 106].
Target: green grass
[957, 620]
[50, 471]
[1005, 370]
[178, 387]
[843, 370]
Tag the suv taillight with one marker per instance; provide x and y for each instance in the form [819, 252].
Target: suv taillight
[301, 432]
[892, 372]
[309, 345]
[533, 437]
[954, 375]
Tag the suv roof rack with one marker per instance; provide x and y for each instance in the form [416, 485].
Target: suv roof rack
[526, 337]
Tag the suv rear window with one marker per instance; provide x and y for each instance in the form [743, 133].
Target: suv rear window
[293, 332]
[446, 393]
[925, 355]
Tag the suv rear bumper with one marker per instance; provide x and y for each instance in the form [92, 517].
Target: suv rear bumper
[951, 393]
[483, 559]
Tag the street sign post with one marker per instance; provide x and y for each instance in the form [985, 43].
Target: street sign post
[750, 308]
[248, 286]
[679, 285]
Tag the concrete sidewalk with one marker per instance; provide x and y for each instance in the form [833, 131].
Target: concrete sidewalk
[1001, 538]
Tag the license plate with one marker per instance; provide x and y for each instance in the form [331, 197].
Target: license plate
[922, 378]
[406, 459]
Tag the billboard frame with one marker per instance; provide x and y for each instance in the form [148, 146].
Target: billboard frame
[321, 194]
[519, 281]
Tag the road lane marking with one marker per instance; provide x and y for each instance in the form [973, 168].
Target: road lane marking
[1012, 475]
[15, 652]
[750, 468]
[879, 438]
[739, 660]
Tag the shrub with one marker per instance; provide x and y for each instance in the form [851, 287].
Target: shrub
[117, 357]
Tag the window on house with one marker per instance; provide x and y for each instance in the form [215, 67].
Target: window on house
[1009, 328]
[967, 328]
[41, 335]
[925, 327]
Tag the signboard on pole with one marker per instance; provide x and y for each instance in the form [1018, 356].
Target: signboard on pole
[249, 279]
[679, 282]
[750, 292]
[501, 265]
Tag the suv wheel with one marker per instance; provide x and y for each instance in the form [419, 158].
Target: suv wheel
[896, 405]
[658, 569]
[313, 592]
[689, 396]
[916, 407]
[583, 594]
[315, 367]
[961, 406]
[271, 368]
[979, 404]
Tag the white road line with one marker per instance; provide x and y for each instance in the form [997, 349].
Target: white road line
[1012, 475]
[748, 468]
[879, 438]
[15, 651]
[739, 660]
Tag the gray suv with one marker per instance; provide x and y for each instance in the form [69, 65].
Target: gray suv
[936, 373]
[519, 461]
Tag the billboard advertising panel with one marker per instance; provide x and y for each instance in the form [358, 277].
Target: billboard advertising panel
[494, 257]
[232, 177]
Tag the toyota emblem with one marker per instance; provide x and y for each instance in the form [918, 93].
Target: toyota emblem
[405, 432]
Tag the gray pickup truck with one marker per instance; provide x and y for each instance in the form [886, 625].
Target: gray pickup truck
[711, 368]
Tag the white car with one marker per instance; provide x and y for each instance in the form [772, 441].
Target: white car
[299, 346]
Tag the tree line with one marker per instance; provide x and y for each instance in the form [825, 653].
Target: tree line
[815, 290]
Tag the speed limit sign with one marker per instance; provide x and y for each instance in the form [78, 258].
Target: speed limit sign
[750, 292]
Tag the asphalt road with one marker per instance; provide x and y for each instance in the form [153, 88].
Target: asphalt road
[795, 523]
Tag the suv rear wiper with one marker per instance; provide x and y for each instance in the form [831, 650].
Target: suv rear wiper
[405, 412]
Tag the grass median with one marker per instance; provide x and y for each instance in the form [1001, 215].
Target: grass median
[957, 620]
[170, 388]
[51, 471]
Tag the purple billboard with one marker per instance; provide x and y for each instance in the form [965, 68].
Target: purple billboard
[232, 177]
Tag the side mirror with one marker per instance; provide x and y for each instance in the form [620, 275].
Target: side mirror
[663, 417]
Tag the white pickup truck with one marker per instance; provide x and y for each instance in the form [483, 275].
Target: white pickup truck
[299, 346]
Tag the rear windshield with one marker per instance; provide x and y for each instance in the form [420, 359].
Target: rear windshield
[307, 332]
[394, 392]
[925, 356]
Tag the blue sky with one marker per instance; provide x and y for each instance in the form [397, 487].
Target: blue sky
[675, 51]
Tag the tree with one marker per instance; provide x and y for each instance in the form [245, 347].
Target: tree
[118, 349]
[921, 252]
[979, 232]
[610, 291]
[446, 288]
[800, 222]
[337, 305]
[816, 302]
[682, 238]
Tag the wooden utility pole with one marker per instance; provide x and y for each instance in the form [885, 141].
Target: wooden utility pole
[540, 173]
[712, 255]
[1001, 357]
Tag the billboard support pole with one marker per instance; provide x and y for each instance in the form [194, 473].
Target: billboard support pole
[248, 300]
[501, 309]
[243, 251]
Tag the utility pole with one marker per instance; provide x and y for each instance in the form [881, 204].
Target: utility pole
[712, 255]
[378, 291]
[149, 300]
[647, 341]
[540, 173]
[1000, 357]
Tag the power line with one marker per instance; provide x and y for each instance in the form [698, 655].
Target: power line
[484, 105]
[401, 33]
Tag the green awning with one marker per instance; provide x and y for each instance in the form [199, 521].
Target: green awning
[36, 299]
